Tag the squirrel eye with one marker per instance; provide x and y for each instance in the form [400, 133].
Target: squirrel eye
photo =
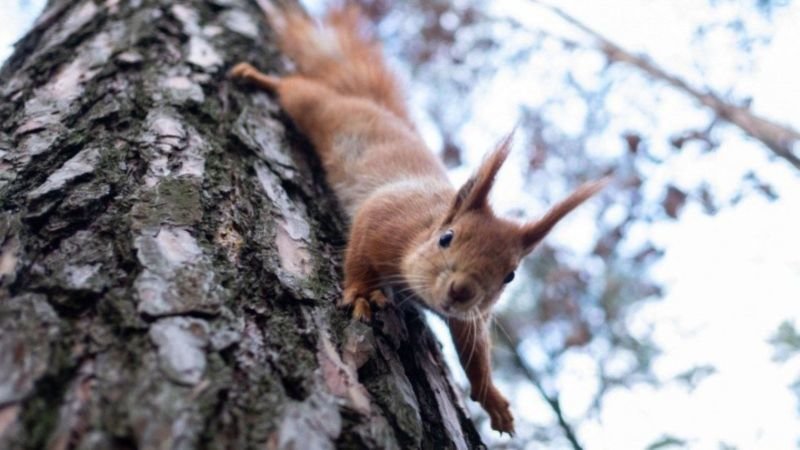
[508, 278]
[445, 239]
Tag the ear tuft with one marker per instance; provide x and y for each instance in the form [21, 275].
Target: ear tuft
[474, 194]
[534, 232]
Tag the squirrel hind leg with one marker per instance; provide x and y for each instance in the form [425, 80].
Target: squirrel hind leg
[246, 71]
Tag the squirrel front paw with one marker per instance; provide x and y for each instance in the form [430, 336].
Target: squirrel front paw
[246, 71]
[496, 405]
[362, 300]
[243, 70]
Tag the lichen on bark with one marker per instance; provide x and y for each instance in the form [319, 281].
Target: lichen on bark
[170, 255]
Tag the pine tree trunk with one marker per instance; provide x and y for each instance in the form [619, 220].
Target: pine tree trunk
[170, 256]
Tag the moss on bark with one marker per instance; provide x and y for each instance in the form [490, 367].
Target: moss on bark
[169, 254]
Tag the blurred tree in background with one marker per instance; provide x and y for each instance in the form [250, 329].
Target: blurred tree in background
[581, 297]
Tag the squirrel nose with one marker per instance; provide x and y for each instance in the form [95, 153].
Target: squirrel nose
[460, 292]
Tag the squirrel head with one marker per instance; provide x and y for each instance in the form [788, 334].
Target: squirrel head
[462, 264]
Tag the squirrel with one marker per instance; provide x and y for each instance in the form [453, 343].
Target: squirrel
[409, 227]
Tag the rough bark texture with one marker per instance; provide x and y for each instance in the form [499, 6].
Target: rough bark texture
[169, 255]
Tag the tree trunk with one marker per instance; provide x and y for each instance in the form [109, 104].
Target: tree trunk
[169, 255]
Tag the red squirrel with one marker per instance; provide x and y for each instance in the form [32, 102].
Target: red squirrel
[409, 226]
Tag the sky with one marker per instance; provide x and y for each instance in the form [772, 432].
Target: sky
[730, 278]
[17, 16]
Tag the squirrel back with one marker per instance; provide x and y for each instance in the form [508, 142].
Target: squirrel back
[349, 104]
[338, 53]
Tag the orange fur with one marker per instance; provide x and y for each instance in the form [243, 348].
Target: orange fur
[396, 192]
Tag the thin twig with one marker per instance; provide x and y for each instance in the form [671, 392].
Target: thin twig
[512, 342]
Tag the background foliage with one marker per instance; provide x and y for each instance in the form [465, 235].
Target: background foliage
[577, 326]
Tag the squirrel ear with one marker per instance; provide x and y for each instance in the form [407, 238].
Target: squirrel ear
[534, 232]
[474, 194]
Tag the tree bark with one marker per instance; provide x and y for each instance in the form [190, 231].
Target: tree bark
[170, 256]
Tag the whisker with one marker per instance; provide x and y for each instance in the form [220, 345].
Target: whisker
[472, 334]
[400, 278]
[499, 326]
[404, 292]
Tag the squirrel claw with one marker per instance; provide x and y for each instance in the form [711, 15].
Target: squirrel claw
[362, 304]
[362, 310]
[246, 71]
[355, 299]
[498, 409]
[502, 421]
[377, 298]
[242, 70]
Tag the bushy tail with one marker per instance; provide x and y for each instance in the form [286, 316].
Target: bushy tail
[337, 53]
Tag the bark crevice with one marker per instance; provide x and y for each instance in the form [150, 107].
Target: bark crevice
[170, 256]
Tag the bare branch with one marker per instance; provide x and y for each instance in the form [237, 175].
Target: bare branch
[777, 137]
